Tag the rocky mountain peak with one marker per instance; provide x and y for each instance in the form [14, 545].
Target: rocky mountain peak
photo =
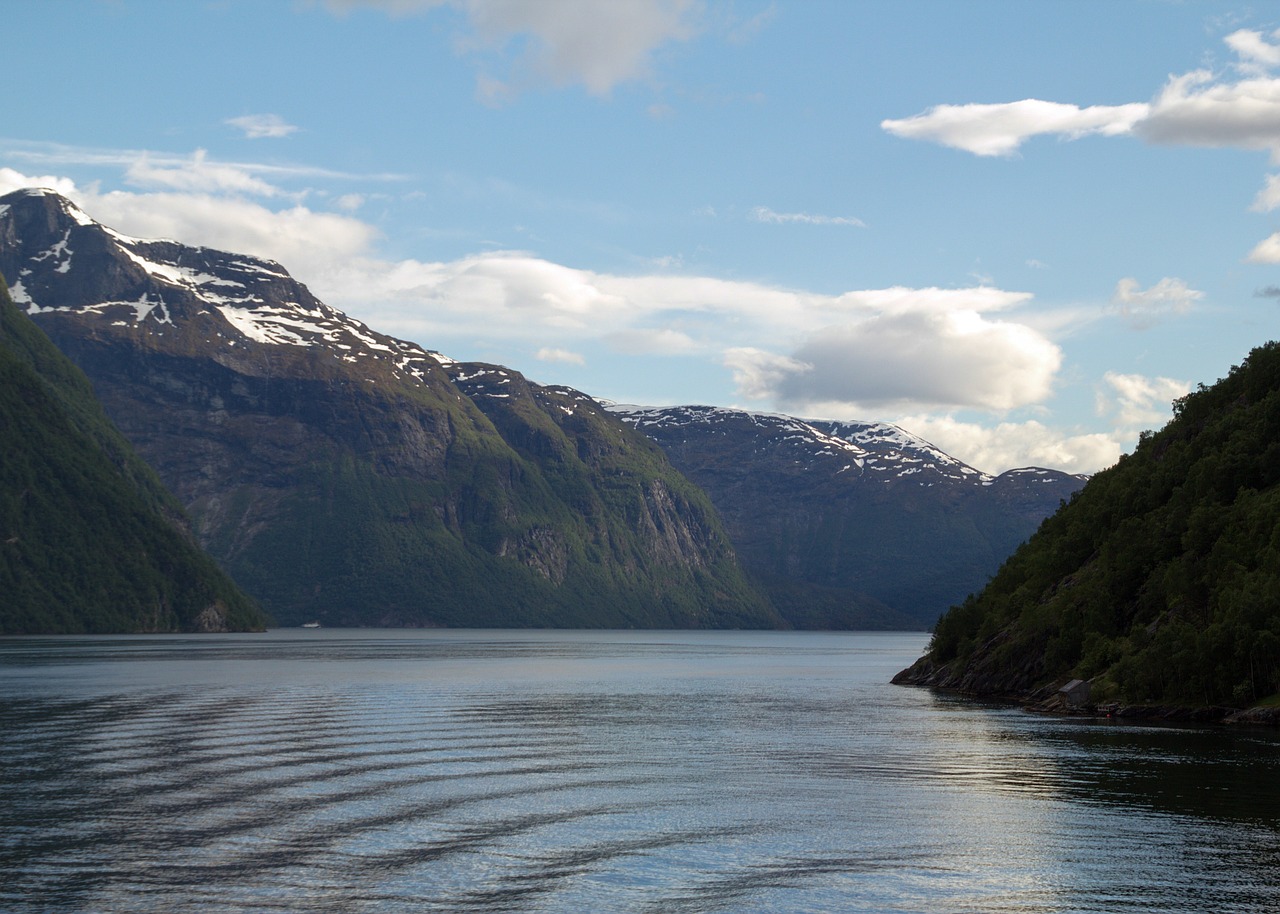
[59, 259]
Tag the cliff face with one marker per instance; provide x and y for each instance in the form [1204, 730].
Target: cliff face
[852, 525]
[89, 539]
[347, 477]
[1159, 582]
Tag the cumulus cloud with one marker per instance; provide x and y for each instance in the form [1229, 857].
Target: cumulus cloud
[308, 242]
[758, 373]
[1253, 49]
[1266, 251]
[919, 359]
[258, 126]
[11, 180]
[1200, 108]
[597, 45]
[1144, 307]
[1194, 109]
[1136, 401]
[1010, 445]
[999, 129]
[764, 214]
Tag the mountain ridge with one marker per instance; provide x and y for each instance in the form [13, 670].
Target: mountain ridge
[852, 523]
[347, 477]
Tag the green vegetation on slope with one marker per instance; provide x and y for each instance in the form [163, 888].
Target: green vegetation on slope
[1159, 581]
[88, 541]
[546, 512]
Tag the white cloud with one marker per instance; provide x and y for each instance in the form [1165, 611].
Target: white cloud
[595, 44]
[764, 214]
[1199, 108]
[1137, 402]
[258, 126]
[563, 356]
[911, 360]
[1266, 251]
[307, 242]
[757, 374]
[1143, 307]
[1255, 52]
[998, 130]
[11, 180]
[904, 299]
[1194, 110]
[196, 174]
[1010, 445]
[1269, 197]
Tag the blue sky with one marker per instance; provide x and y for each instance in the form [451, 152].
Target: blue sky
[1016, 229]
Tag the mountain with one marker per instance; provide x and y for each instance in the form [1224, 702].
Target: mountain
[346, 477]
[89, 539]
[1159, 582]
[852, 524]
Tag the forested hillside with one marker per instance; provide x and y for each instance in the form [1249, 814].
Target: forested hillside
[1159, 580]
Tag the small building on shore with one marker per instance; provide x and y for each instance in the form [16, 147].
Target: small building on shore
[1075, 693]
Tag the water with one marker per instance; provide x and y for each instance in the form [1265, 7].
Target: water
[457, 771]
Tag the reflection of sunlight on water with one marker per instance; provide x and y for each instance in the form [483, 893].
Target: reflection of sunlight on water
[628, 771]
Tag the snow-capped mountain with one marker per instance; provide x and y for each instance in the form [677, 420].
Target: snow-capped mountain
[56, 258]
[872, 451]
[347, 477]
[830, 513]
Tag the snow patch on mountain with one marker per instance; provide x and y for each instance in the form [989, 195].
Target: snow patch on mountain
[258, 298]
[867, 449]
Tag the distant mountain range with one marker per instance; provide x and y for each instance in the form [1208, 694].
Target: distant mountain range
[350, 478]
[852, 524]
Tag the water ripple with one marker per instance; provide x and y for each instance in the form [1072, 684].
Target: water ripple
[595, 771]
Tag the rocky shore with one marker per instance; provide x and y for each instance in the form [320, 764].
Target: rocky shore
[1049, 699]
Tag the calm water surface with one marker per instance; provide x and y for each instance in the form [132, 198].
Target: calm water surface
[375, 771]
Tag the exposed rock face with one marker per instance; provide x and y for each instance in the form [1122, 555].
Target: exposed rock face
[852, 524]
[348, 477]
